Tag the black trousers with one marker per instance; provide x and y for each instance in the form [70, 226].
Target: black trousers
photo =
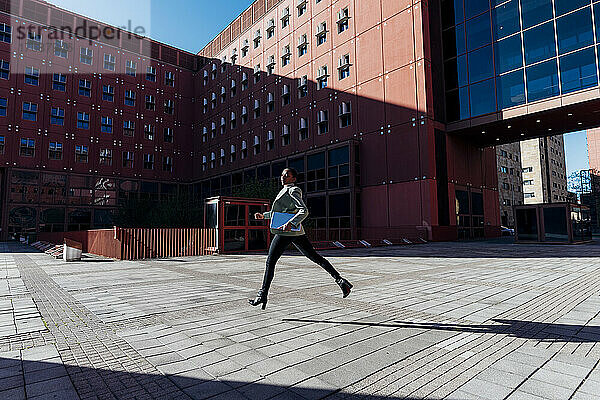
[278, 246]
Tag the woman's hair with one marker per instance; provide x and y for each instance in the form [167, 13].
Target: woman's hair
[293, 172]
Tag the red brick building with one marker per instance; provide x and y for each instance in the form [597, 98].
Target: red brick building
[348, 92]
[593, 148]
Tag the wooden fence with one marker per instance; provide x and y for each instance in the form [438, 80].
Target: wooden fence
[140, 243]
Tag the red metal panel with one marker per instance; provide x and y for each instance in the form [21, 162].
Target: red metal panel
[398, 41]
[405, 204]
[369, 47]
[402, 153]
[375, 207]
[392, 7]
[369, 12]
[370, 110]
[401, 101]
[372, 147]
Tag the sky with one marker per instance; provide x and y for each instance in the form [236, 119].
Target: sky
[191, 24]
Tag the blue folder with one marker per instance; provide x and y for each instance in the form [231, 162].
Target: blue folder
[278, 219]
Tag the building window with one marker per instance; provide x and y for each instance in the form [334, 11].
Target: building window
[301, 7]
[204, 163]
[285, 18]
[5, 33]
[338, 172]
[285, 95]
[106, 157]
[130, 98]
[345, 114]
[244, 115]
[130, 68]
[285, 135]
[528, 195]
[322, 77]
[256, 109]
[503, 153]
[257, 37]
[271, 28]
[213, 130]
[233, 121]
[109, 62]
[344, 66]
[61, 49]
[128, 128]
[271, 65]
[244, 150]
[245, 48]
[86, 56]
[55, 151]
[108, 93]
[302, 86]
[302, 45]
[342, 20]
[302, 129]
[4, 107]
[169, 107]
[257, 73]
[106, 125]
[85, 88]
[150, 103]
[286, 55]
[321, 33]
[83, 120]
[59, 82]
[167, 163]
[1, 144]
[168, 135]
[270, 102]
[505, 186]
[213, 72]
[27, 147]
[4, 69]
[149, 131]
[244, 81]
[222, 158]
[32, 76]
[504, 170]
[528, 169]
[213, 159]
[270, 141]
[233, 88]
[223, 125]
[34, 41]
[127, 159]
[231, 154]
[30, 111]
[151, 73]
[170, 79]
[148, 161]
[81, 154]
[322, 122]
[57, 116]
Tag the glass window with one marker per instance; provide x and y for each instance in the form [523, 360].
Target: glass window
[475, 7]
[481, 64]
[457, 104]
[574, 31]
[564, 6]
[505, 19]
[510, 89]
[539, 43]
[456, 72]
[578, 70]
[452, 12]
[535, 11]
[483, 98]
[597, 21]
[542, 80]
[508, 54]
[454, 41]
[479, 32]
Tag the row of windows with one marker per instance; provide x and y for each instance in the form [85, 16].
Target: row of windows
[27, 148]
[508, 155]
[57, 115]
[86, 55]
[322, 118]
[342, 23]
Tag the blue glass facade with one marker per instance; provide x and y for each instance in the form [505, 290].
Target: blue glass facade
[501, 54]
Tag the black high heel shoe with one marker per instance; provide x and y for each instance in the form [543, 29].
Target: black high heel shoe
[261, 298]
[344, 285]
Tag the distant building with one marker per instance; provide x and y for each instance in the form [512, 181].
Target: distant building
[544, 170]
[510, 183]
[593, 147]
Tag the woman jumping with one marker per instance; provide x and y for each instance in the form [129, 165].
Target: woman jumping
[289, 200]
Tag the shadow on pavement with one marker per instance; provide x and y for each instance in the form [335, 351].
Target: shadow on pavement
[545, 332]
[23, 379]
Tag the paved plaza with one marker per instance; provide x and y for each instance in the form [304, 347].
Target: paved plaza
[489, 320]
